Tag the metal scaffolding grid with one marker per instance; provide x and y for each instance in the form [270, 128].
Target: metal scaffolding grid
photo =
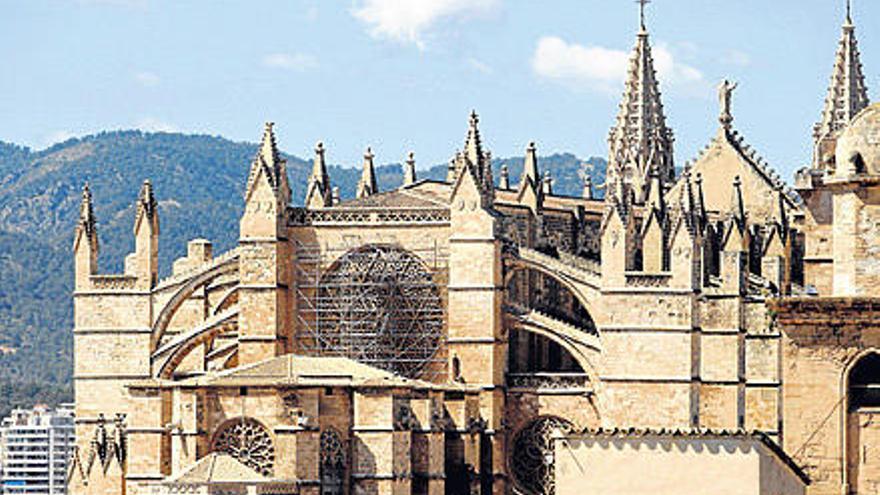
[378, 304]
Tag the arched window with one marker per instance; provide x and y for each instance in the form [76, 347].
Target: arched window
[864, 383]
[332, 463]
[249, 442]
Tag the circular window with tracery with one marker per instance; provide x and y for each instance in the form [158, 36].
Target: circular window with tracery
[249, 442]
[380, 306]
[532, 459]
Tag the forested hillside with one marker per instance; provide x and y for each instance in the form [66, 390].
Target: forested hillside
[199, 183]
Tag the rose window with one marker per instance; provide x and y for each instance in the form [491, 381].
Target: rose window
[249, 442]
[532, 459]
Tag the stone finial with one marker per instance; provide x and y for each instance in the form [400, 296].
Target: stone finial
[147, 207]
[335, 195]
[504, 179]
[655, 192]
[530, 167]
[473, 146]
[450, 169]
[737, 207]
[409, 169]
[318, 192]
[587, 192]
[548, 184]
[86, 211]
[367, 185]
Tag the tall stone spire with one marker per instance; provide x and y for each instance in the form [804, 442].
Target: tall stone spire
[367, 185]
[409, 169]
[318, 192]
[847, 93]
[640, 139]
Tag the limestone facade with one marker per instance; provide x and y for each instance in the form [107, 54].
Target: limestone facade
[434, 338]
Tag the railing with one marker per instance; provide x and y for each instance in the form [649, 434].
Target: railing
[550, 381]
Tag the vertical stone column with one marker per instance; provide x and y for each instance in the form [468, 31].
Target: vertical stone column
[264, 271]
[475, 314]
[382, 462]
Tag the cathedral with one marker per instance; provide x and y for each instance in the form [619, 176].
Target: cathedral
[693, 326]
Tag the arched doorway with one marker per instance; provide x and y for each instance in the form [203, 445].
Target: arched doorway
[863, 425]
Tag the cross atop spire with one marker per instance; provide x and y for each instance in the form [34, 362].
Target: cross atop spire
[642, 4]
[849, 11]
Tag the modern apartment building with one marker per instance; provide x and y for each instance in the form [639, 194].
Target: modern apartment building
[36, 445]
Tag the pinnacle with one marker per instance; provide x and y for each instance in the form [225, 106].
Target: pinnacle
[640, 138]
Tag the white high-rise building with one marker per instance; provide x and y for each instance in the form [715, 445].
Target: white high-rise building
[36, 446]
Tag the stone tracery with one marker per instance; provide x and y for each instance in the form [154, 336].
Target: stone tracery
[532, 457]
[249, 442]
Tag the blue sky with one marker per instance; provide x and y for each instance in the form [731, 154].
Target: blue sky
[403, 74]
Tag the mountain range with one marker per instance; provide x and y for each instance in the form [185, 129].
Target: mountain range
[199, 181]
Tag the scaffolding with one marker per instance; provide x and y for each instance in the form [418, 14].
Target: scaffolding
[377, 303]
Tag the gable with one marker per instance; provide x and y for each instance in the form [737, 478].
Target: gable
[719, 165]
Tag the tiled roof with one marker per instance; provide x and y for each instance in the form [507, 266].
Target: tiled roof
[292, 369]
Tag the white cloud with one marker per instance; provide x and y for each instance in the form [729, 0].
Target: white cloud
[290, 61]
[146, 78]
[601, 68]
[150, 124]
[140, 4]
[311, 13]
[736, 58]
[479, 66]
[406, 21]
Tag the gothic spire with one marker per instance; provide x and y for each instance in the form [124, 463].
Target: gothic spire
[847, 92]
[367, 185]
[474, 158]
[268, 162]
[318, 192]
[640, 138]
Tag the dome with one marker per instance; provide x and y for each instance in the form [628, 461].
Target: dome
[858, 148]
